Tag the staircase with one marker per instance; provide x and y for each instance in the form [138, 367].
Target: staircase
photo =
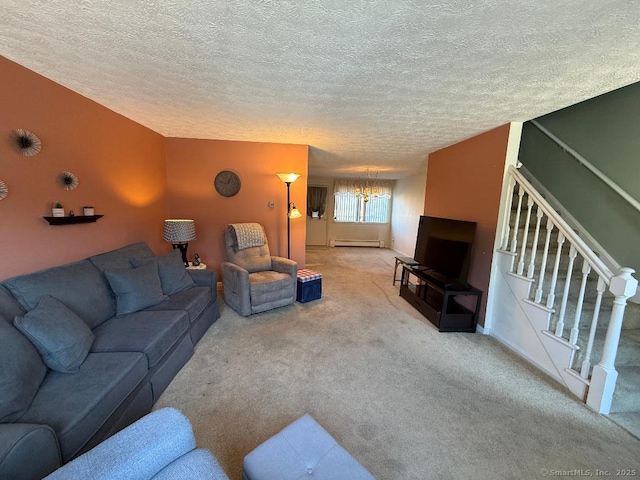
[556, 303]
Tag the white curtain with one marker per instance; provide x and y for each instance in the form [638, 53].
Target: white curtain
[352, 208]
[346, 186]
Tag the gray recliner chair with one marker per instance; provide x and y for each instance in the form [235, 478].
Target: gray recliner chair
[253, 279]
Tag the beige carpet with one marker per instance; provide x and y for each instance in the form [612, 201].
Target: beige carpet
[407, 401]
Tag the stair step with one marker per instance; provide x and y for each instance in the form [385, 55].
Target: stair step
[632, 317]
[628, 349]
[626, 397]
[632, 336]
[626, 401]
[630, 421]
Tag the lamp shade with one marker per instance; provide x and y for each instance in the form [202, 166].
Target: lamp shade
[294, 212]
[288, 177]
[179, 230]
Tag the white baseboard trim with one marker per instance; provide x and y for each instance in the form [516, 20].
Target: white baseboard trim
[356, 243]
[482, 330]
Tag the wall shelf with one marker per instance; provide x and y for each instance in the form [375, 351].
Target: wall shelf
[72, 220]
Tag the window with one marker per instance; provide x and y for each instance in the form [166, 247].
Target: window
[350, 204]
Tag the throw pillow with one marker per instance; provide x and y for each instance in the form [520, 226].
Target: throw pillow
[135, 288]
[61, 337]
[22, 372]
[79, 285]
[173, 276]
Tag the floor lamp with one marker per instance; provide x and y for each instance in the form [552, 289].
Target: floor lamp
[292, 211]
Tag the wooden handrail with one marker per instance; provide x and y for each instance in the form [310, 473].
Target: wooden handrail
[583, 161]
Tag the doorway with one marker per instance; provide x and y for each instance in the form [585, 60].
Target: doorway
[317, 215]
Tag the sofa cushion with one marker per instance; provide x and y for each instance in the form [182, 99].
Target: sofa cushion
[269, 286]
[121, 257]
[60, 336]
[152, 333]
[206, 278]
[9, 306]
[135, 288]
[173, 276]
[88, 397]
[80, 286]
[193, 301]
[22, 372]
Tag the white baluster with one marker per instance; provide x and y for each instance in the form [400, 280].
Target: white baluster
[565, 296]
[514, 234]
[543, 267]
[525, 234]
[586, 362]
[534, 248]
[554, 277]
[586, 269]
[505, 236]
[604, 376]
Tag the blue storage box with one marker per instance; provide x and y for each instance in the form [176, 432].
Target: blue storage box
[309, 285]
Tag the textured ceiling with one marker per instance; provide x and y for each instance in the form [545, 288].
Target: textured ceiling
[377, 84]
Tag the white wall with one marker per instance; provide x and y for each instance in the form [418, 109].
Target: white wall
[408, 205]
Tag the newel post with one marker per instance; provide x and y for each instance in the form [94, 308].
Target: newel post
[604, 376]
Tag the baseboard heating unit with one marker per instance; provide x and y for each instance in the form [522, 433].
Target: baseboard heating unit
[356, 243]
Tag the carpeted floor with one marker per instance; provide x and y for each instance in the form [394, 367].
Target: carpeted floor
[405, 400]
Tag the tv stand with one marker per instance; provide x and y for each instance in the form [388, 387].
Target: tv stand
[434, 296]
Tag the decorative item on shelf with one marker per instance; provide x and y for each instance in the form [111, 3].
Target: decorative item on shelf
[4, 191]
[57, 210]
[180, 232]
[68, 180]
[292, 211]
[26, 142]
[71, 213]
[365, 190]
[196, 260]
[227, 183]
[88, 210]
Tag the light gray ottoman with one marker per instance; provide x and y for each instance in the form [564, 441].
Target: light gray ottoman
[302, 450]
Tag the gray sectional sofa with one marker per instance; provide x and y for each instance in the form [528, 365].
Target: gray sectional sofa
[88, 347]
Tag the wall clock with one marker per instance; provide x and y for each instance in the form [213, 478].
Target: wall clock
[227, 183]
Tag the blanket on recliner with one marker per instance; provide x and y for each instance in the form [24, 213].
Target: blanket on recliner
[248, 235]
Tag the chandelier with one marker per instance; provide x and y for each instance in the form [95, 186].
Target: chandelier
[365, 190]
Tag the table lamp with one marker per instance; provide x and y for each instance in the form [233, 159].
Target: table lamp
[180, 232]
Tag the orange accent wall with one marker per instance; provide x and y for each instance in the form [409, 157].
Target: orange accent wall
[120, 165]
[464, 182]
[192, 166]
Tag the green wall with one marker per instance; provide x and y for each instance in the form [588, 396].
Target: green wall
[605, 131]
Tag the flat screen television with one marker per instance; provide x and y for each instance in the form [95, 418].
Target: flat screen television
[444, 246]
